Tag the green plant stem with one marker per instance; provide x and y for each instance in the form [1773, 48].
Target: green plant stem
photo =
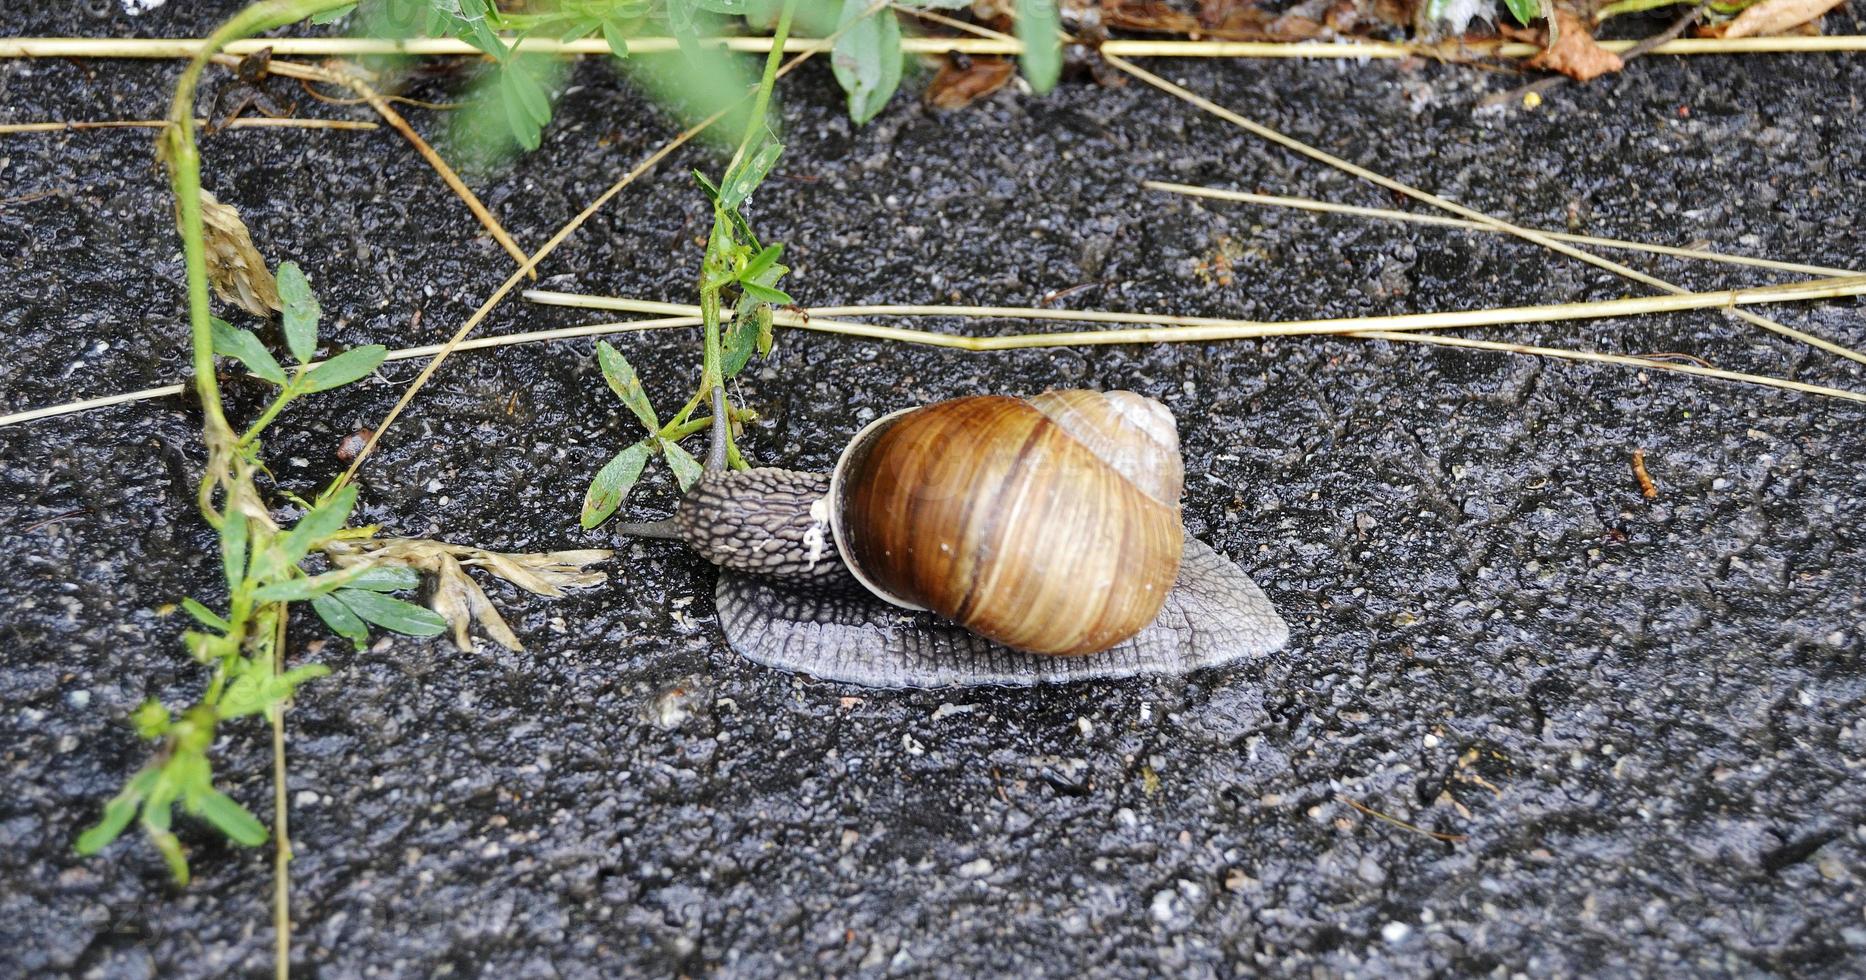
[675, 432]
[1632, 6]
[286, 394]
[177, 148]
[713, 271]
[281, 833]
[239, 608]
[686, 411]
[754, 123]
[710, 372]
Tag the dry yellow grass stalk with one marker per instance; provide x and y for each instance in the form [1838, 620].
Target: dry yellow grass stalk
[404, 354]
[929, 338]
[1164, 328]
[1290, 143]
[1329, 207]
[1624, 360]
[82, 47]
[1171, 328]
[350, 77]
[254, 122]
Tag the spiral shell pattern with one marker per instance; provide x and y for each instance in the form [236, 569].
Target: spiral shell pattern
[1050, 524]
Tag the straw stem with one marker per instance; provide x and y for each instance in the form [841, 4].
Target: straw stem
[85, 47]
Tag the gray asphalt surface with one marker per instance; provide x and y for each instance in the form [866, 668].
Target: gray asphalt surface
[1640, 718]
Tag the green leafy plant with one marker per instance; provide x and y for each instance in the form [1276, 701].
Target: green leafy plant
[1039, 26]
[510, 105]
[181, 776]
[261, 558]
[262, 565]
[1524, 10]
[349, 608]
[867, 57]
[617, 477]
[243, 641]
[868, 62]
[299, 324]
[738, 274]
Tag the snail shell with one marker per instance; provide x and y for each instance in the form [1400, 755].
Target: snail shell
[985, 540]
[1049, 525]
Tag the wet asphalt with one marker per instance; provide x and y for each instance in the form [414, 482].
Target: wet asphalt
[1630, 725]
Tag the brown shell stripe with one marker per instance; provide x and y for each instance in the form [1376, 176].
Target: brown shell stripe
[921, 476]
[1078, 583]
[987, 512]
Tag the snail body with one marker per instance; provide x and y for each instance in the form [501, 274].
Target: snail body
[983, 540]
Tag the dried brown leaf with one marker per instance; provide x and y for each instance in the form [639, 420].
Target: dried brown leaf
[505, 568]
[460, 600]
[1776, 17]
[452, 598]
[1574, 52]
[956, 88]
[545, 572]
[572, 558]
[1228, 20]
[1149, 15]
[466, 601]
[494, 624]
[1347, 16]
[1295, 27]
[244, 500]
[234, 266]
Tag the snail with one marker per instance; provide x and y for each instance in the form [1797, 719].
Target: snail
[982, 540]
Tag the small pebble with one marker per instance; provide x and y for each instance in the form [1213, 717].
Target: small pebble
[676, 704]
[947, 710]
[1170, 909]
